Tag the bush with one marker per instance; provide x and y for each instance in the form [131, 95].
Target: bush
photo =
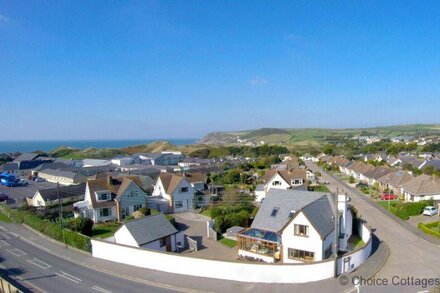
[145, 211]
[81, 225]
[351, 180]
[51, 229]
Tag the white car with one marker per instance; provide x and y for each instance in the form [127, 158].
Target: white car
[430, 211]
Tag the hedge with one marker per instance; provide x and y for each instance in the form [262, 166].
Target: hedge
[404, 210]
[51, 229]
[426, 228]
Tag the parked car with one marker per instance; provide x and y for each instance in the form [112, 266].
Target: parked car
[361, 184]
[430, 211]
[3, 197]
[38, 179]
[387, 196]
[22, 182]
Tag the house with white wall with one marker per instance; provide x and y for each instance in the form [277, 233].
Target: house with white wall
[294, 226]
[153, 232]
[177, 190]
[422, 187]
[111, 199]
[49, 197]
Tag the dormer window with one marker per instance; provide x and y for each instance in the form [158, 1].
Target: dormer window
[103, 196]
[276, 183]
[296, 182]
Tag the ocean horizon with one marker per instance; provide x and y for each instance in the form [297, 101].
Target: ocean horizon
[48, 145]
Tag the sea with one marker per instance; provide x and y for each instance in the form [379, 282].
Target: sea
[48, 145]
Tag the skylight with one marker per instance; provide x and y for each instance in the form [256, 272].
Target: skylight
[274, 212]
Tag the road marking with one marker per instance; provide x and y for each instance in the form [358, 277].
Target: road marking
[3, 229]
[39, 263]
[68, 277]
[101, 289]
[17, 252]
[4, 243]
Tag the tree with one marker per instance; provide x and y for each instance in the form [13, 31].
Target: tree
[81, 225]
[351, 180]
[328, 149]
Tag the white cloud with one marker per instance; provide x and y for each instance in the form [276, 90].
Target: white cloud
[257, 80]
[3, 18]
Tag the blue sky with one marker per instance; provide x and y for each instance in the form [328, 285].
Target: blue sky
[162, 69]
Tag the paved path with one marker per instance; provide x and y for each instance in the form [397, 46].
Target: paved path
[410, 255]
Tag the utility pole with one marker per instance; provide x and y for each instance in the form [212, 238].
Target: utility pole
[60, 211]
[336, 244]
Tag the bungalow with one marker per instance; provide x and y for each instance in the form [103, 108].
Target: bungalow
[111, 199]
[422, 187]
[49, 197]
[177, 190]
[394, 180]
[62, 176]
[294, 226]
[151, 232]
[374, 174]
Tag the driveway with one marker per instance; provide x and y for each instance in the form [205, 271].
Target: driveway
[410, 255]
[194, 225]
[415, 220]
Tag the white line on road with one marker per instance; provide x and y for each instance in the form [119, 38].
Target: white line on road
[3, 229]
[4, 243]
[39, 263]
[101, 289]
[5, 235]
[68, 277]
[17, 252]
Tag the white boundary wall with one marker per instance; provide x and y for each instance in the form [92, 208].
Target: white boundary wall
[234, 271]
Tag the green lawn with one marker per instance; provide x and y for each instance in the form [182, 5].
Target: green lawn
[321, 188]
[206, 212]
[104, 230]
[228, 242]
[4, 218]
[384, 203]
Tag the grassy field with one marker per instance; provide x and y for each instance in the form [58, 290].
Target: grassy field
[228, 242]
[104, 230]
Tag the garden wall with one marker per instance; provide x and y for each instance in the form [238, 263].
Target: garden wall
[234, 271]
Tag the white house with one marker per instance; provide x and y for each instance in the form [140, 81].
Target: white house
[177, 190]
[422, 187]
[151, 232]
[111, 199]
[49, 197]
[294, 226]
[282, 179]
